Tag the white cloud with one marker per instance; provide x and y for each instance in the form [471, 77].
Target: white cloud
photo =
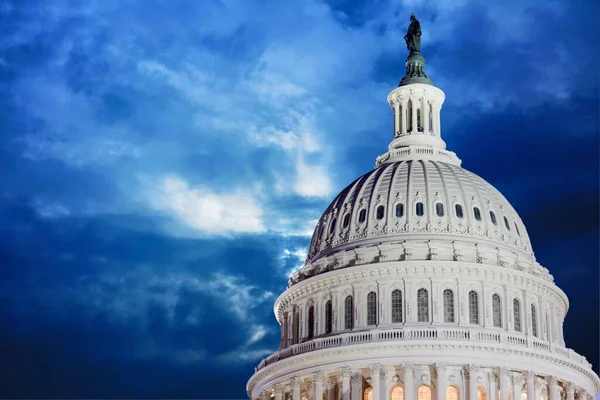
[50, 210]
[206, 211]
[312, 180]
[298, 256]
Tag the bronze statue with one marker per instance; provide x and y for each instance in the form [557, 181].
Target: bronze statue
[413, 35]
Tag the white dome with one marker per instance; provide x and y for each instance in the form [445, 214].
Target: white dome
[383, 206]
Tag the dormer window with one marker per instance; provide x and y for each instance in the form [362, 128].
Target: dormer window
[346, 220]
[399, 210]
[362, 216]
[517, 228]
[439, 209]
[493, 218]
[459, 210]
[477, 213]
[419, 209]
[380, 212]
[506, 223]
[332, 226]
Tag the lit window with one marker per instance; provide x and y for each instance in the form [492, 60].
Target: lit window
[348, 313]
[362, 216]
[422, 305]
[346, 220]
[451, 393]
[459, 210]
[506, 223]
[517, 314]
[399, 210]
[448, 305]
[328, 317]
[473, 307]
[332, 226]
[480, 393]
[439, 209]
[311, 322]
[534, 320]
[477, 213]
[493, 218]
[372, 308]
[424, 393]
[368, 394]
[419, 209]
[396, 306]
[497, 310]
[380, 212]
[397, 393]
[523, 396]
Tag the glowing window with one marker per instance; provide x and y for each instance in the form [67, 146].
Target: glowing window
[419, 209]
[459, 210]
[480, 393]
[424, 393]
[368, 394]
[451, 393]
[397, 393]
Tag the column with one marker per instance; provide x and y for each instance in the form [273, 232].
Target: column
[438, 110]
[295, 388]
[403, 116]
[473, 370]
[278, 392]
[570, 391]
[356, 387]
[425, 113]
[517, 386]
[376, 380]
[346, 374]
[319, 378]
[440, 369]
[553, 388]
[531, 385]
[397, 127]
[493, 394]
[413, 127]
[503, 380]
[331, 384]
[409, 386]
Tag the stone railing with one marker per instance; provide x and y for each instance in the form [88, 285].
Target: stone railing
[423, 334]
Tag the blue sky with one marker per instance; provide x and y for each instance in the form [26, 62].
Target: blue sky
[163, 164]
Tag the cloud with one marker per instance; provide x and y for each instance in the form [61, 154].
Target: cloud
[312, 180]
[209, 212]
[293, 260]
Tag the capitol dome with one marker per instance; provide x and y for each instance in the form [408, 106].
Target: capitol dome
[420, 283]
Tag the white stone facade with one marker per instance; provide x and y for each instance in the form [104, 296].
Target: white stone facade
[421, 284]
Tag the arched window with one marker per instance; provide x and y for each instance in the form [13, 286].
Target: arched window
[506, 223]
[458, 210]
[346, 220]
[517, 314]
[399, 210]
[493, 218]
[422, 305]
[396, 306]
[448, 305]
[372, 308]
[480, 393]
[368, 393]
[362, 215]
[517, 228]
[348, 313]
[328, 317]
[473, 307]
[397, 393]
[451, 392]
[419, 120]
[439, 209]
[547, 328]
[380, 212]
[409, 121]
[534, 321]
[311, 322]
[284, 331]
[523, 396]
[477, 213]
[497, 310]
[424, 393]
[419, 209]
[296, 326]
[332, 226]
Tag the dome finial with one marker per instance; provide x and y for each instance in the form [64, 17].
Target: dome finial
[415, 63]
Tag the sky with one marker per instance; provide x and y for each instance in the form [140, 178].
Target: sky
[163, 164]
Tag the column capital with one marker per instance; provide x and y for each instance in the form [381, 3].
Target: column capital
[552, 380]
[408, 366]
[530, 375]
[356, 377]
[473, 368]
[279, 389]
[440, 367]
[296, 382]
[319, 376]
[570, 387]
[376, 368]
[346, 371]
[331, 381]
[539, 386]
[310, 386]
[503, 371]
[518, 380]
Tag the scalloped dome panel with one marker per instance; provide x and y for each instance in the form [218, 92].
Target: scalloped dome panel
[385, 204]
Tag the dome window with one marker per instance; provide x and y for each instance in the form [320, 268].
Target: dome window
[439, 209]
[346, 220]
[422, 305]
[348, 313]
[459, 210]
[419, 209]
[506, 223]
[517, 314]
[477, 213]
[493, 218]
[372, 308]
[399, 210]
[448, 296]
[496, 310]
[517, 228]
[362, 216]
[380, 212]
[473, 308]
[328, 317]
[332, 226]
[396, 306]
